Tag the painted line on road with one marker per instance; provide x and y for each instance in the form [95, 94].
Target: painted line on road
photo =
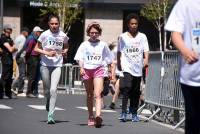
[42, 107]
[4, 107]
[103, 110]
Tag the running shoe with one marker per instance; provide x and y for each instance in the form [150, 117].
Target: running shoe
[21, 94]
[39, 96]
[91, 121]
[135, 118]
[30, 95]
[50, 119]
[122, 117]
[112, 105]
[98, 122]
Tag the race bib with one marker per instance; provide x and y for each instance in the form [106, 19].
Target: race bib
[196, 39]
[133, 53]
[94, 58]
[53, 43]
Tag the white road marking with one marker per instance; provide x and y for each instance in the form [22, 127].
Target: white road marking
[42, 107]
[103, 110]
[4, 107]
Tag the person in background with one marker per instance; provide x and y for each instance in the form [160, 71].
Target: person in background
[184, 23]
[91, 56]
[32, 60]
[116, 76]
[52, 45]
[8, 47]
[132, 45]
[107, 86]
[18, 83]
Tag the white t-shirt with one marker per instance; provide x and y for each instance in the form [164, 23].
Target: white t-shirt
[93, 55]
[185, 18]
[132, 50]
[53, 41]
[19, 42]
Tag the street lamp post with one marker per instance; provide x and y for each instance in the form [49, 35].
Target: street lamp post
[1, 24]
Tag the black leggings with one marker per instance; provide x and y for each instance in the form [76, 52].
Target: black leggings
[130, 89]
[192, 108]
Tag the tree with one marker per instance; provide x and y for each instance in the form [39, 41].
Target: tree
[67, 10]
[156, 11]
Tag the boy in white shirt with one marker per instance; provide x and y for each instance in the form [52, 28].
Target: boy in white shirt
[132, 45]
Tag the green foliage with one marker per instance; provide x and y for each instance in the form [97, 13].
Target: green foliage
[67, 10]
[156, 10]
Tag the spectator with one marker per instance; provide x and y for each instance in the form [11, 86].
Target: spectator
[8, 47]
[32, 60]
[20, 59]
[117, 74]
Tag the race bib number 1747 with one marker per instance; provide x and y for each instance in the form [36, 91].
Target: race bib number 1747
[94, 59]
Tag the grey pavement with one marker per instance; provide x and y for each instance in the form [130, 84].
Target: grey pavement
[27, 116]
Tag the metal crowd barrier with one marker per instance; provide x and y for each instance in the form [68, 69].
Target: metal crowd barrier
[162, 88]
[70, 79]
[171, 95]
[65, 78]
[77, 83]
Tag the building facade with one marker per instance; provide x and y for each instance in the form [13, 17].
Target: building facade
[110, 14]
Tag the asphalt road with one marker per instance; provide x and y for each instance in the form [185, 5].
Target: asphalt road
[28, 116]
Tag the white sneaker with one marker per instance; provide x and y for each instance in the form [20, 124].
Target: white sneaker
[40, 96]
[21, 95]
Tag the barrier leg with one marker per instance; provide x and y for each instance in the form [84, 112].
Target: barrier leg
[72, 89]
[141, 108]
[178, 124]
[157, 110]
[70, 80]
[67, 90]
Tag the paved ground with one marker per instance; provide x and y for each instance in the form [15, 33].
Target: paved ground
[27, 116]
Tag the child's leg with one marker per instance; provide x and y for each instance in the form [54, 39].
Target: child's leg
[115, 96]
[135, 94]
[98, 87]
[90, 95]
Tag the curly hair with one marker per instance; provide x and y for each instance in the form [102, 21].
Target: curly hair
[94, 25]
